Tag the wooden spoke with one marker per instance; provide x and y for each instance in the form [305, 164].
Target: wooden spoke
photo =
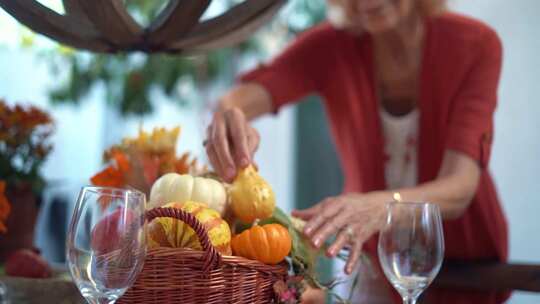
[63, 29]
[240, 34]
[232, 20]
[74, 10]
[113, 21]
[177, 19]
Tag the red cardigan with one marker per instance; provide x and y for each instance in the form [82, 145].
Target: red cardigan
[460, 71]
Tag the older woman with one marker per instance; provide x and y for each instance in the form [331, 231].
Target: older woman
[410, 92]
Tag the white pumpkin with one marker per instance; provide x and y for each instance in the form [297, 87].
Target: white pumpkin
[173, 187]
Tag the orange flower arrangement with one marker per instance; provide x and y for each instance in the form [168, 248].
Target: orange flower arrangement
[138, 162]
[5, 207]
[24, 146]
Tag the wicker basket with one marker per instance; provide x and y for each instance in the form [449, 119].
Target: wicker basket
[179, 275]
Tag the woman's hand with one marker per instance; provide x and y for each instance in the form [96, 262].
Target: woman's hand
[353, 217]
[230, 142]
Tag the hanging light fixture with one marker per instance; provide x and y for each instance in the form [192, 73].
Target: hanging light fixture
[105, 26]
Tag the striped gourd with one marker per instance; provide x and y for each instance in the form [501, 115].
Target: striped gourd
[167, 232]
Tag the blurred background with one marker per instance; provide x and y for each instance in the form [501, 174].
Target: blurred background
[96, 100]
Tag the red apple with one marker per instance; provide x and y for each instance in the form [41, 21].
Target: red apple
[27, 263]
[107, 234]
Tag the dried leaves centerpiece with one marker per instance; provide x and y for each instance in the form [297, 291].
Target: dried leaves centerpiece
[138, 162]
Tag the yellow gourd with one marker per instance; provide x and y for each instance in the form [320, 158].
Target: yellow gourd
[251, 196]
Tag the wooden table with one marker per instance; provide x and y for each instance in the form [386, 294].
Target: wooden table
[477, 275]
[58, 290]
[489, 276]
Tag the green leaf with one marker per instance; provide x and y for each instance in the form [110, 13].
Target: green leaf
[281, 217]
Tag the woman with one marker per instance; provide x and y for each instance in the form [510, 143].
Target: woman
[410, 92]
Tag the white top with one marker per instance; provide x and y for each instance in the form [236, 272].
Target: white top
[400, 148]
[400, 137]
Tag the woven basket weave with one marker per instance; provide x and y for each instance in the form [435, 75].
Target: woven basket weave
[180, 275]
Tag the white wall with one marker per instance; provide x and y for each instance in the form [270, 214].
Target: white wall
[515, 162]
[78, 130]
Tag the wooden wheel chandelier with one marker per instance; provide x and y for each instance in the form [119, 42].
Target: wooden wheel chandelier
[105, 26]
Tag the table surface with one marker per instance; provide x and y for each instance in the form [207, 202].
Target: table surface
[57, 290]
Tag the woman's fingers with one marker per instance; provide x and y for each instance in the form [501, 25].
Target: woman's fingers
[340, 242]
[331, 226]
[222, 148]
[362, 233]
[308, 213]
[356, 250]
[253, 139]
[211, 152]
[236, 128]
[327, 210]
[233, 141]
[213, 158]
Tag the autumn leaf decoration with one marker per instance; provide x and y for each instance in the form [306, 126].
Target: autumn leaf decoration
[5, 207]
[115, 174]
[138, 162]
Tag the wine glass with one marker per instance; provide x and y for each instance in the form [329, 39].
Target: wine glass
[106, 245]
[411, 247]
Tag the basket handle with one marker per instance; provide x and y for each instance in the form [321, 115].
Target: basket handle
[211, 257]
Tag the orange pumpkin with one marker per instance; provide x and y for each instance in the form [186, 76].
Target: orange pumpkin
[269, 243]
[168, 232]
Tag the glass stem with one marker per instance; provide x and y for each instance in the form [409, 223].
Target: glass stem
[102, 300]
[409, 300]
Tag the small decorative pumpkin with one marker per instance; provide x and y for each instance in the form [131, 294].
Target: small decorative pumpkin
[107, 233]
[269, 243]
[173, 187]
[251, 196]
[168, 232]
